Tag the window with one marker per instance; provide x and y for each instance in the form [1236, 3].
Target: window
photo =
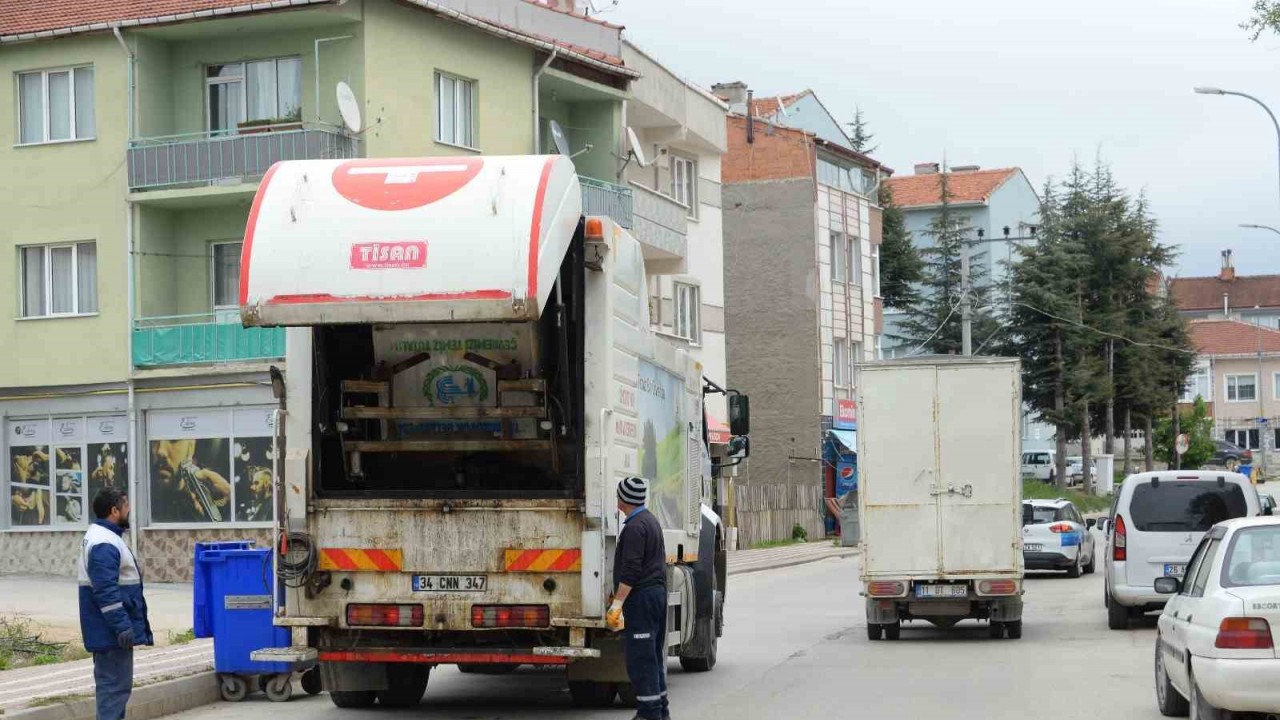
[56, 465]
[56, 105]
[1254, 557]
[855, 260]
[455, 110]
[839, 257]
[875, 270]
[855, 180]
[840, 362]
[1275, 386]
[211, 465]
[1194, 565]
[1185, 506]
[1242, 388]
[688, 312]
[1199, 384]
[1244, 438]
[59, 279]
[263, 92]
[226, 274]
[684, 181]
[855, 354]
[1206, 566]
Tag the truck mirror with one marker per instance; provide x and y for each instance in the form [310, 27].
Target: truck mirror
[740, 447]
[739, 415]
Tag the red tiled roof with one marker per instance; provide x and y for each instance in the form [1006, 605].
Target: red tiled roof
[580, 16]
[19, 17]
[1205, 293]
[769, 107]
[965, 187]
[1231, 337]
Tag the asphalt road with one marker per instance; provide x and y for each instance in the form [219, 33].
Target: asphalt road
[795, 646]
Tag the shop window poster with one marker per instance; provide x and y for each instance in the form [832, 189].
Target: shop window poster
[69, 483]
[108, 467]
[253, 479]
[29, 485]
[189, 480]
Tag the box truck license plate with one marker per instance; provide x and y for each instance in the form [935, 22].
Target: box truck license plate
[449, 582]
[942, 591]
[1175, 570]
[1033, 547]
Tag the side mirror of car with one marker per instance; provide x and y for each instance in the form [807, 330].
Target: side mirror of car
[1090, 523]
[1168, 585]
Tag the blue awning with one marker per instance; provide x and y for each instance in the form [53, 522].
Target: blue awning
[846, 438]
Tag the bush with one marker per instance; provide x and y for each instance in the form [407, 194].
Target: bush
[799, 534]
[1198, 426]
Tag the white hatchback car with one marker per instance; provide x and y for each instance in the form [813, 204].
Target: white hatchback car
[1216, 644]
[1156, 522]
[1055, 537]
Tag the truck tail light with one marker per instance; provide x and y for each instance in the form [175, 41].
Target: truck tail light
[384, 615]
[1243, 633]
[998, 587]
[886, 588]
[1119, 540]
[1061, 528]
[510, 616]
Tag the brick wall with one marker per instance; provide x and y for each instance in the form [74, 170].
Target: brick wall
[777, 153]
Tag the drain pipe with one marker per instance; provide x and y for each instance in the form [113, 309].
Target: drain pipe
[130, 279]
[316, 70]
[537, 111]
[115, 30]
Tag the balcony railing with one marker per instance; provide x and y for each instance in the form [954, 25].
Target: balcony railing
[202, 339]
[605, 198]
[204, 158]
[660, 221]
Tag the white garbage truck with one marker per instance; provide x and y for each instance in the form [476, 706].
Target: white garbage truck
[940, 492]
[469, 372]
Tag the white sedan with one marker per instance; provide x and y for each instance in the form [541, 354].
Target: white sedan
[1216, 644]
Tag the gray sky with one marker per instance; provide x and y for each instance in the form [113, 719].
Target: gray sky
[1032, 84]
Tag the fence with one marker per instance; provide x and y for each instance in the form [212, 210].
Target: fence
[769, 511]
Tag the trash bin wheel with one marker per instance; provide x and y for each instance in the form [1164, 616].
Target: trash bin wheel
[279, 688]
[233, 688]
[311, 681]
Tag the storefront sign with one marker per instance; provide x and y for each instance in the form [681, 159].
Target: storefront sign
[846, 415]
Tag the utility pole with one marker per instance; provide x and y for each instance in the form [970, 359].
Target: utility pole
[1261, 422]
[966, 303]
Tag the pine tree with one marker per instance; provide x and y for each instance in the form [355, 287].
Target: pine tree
[1266, 16]
[933, 324]
[901, 268]
[860, 135]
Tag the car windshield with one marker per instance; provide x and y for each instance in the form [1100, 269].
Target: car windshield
[1038, 514]
[1185, 506]
[1254, 558]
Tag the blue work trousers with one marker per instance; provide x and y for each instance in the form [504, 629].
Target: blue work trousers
[644, 642]
[113, 682]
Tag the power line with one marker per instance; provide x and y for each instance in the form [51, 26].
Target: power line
[1105, 333]
[959, 300]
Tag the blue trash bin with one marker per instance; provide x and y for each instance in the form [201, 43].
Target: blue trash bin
[233, 604]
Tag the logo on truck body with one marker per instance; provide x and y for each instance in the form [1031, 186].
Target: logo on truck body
[388, 255]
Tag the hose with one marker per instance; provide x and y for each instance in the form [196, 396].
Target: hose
[295, 573]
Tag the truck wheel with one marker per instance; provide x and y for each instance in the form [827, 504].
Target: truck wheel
[874, 631]
[406, 683]
[995, 630]
[1117, 615]
[311, 681]
[353, 698]
[707, 661]
[1013, 629]
[586, 693]
[893, 631]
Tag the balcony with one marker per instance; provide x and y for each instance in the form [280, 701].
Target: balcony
[205, 158]
[202, 339]
[661, 223]
[605, 198]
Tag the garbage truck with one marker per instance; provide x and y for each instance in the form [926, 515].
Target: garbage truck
[469, 372]
[940, 493]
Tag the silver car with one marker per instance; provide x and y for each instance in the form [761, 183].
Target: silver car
[1055, 537]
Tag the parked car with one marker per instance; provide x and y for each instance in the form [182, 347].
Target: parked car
[1157, 519]
[1040, 464]
[1075, 468]
[1268, 504]
[1216, 640]
[1230, 456]
[1055, 537]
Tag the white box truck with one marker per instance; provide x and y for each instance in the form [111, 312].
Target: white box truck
[941, 493]
[470, 371]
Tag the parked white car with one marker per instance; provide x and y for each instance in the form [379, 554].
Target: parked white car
[1039, 464]
[1216, 643]
[1075, 469]
[1055, 537]
[1156, 522]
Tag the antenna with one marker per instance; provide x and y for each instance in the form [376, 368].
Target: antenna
[348, 107]
[634, 150]
[557, 137]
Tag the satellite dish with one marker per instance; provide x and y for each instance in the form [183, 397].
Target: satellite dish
[634, 143]
[348, 107]
[557, 137]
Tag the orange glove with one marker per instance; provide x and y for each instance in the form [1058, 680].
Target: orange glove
[613, 619]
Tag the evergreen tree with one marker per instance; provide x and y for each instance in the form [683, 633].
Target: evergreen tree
[933, 324]
[860, 135]
[901, 268]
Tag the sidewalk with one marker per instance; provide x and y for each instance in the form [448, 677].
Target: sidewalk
[746, 561]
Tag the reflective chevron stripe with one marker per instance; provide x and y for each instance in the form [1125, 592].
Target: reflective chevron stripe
[517, 560]
[361, 560]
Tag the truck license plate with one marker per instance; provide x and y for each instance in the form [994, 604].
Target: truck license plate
[1175, 569]
[942, 591]
[450, 582]
[1033, 547]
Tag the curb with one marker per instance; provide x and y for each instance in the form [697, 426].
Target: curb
[791, 562]
[147, 702]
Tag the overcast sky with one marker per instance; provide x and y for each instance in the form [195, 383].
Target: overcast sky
[1032, 84]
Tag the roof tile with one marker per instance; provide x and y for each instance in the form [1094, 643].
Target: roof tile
[1232, 337]
[966, 187]
[1205, 293]
[31, 16]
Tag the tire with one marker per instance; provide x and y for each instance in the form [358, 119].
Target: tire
[1013, 629]
[487, 668]
[311, 682]
[874, 631]
[352, 699]
[1074, 571]
[1117, 615]
[586, 693]
[407, 681]
[894, 631]
[707, 662]
[279, 688]
[1093, 562]
[627, 694]
[233, 688]
[1168, 699]
[1199, 707]
[995, 630]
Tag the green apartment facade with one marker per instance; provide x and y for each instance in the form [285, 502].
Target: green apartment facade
[132, 159]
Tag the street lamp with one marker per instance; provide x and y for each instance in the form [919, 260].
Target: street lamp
[1219, 91]
[1259, 227]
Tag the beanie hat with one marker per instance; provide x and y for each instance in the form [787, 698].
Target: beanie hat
[632, 490]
